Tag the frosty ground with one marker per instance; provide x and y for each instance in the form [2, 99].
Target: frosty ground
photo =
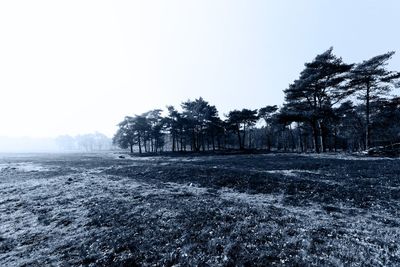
[245, 210]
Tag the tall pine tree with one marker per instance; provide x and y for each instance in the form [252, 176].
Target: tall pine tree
[320, 86]
[371, 80]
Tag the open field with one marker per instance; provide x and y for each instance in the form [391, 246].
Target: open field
[245, 210]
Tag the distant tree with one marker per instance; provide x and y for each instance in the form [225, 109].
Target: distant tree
[240, 121]
[126, 136]
[85, 142]
[283, 122]
[266, 113]
[66, 142]
[234, 124]
[215, 131]
[145, 130]
[385, 121]
[348, 127]
[173, 124]
[198, 114]
[371, 80]
[153, 129]
[141, 127]
[101, 141]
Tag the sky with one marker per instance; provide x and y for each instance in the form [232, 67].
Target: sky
[75, 67]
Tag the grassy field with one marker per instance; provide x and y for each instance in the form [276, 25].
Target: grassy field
[238, 210]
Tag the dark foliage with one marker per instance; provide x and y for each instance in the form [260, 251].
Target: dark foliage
[332, 106]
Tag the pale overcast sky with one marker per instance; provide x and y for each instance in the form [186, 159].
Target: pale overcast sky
[70, 67]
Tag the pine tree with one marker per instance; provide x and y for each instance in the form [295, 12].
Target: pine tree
[320, 86]
[198, 115]
[371, 80]
[266, 113]
[126, 135]
[241, 120]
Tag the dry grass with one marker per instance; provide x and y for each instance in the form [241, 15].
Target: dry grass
[245, 210]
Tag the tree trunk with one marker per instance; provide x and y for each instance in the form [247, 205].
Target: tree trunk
[194, 146]
[300, 138]
[173, 142]
[239, 137]
[182, 142]
[140, 145]
[324, 137]
[335, 140]
[292, 138]
[320, 137]
[244, 137]
[315, 135]
[250, 137]
[203, 143]
[213, 142]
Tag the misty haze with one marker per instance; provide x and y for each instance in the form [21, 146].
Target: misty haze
[199, 133]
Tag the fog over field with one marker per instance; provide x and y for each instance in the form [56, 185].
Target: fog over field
[27, 145]
[80, 143]
[77, 67]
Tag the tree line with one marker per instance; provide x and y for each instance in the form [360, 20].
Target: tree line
[332, 106]
[86, 142]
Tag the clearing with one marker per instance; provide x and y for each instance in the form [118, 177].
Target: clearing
[245, 210]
